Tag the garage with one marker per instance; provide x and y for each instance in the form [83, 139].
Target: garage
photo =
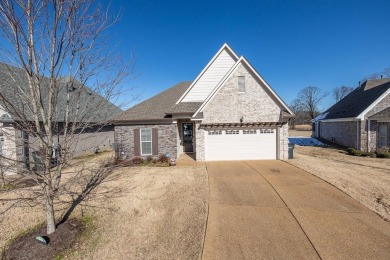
[240, 144]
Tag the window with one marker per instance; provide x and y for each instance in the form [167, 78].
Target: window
[266, 131]
[241, 84]
[217, 132]
[232, 132]
[146, 141]
[382, 135]
[249, 132]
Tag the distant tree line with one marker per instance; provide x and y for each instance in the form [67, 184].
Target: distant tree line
[308, 103]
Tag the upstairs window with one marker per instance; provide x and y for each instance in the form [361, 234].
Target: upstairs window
[241, 84]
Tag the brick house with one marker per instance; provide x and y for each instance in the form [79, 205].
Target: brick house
[360, 120]
[228, 112]
[17, 140]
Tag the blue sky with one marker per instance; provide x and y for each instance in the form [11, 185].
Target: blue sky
[292, 44]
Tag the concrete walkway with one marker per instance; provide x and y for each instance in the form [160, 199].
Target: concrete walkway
[270, 209]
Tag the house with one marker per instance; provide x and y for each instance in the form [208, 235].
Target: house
[228, 112]
[17, 138]
[360, 120]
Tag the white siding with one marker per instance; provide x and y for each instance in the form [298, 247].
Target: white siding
[210, 78]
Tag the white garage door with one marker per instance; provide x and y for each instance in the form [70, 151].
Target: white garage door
[222, 145]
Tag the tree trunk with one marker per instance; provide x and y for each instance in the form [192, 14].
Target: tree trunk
[51, 222]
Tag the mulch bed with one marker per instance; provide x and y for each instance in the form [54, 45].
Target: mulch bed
[26, 247]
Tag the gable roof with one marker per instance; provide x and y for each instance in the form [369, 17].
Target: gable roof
[244, 62]
[160, 106]
[210, 76]
[14, 82]
[359, 101]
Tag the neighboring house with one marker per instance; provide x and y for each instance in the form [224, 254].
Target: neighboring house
[16, 144]
[360, 120]
[228, 112]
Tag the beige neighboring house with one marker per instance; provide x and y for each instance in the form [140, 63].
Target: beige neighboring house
[229, 112]
[360, 120]
[17, 145]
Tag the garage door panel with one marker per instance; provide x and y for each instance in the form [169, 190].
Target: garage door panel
[240, 146]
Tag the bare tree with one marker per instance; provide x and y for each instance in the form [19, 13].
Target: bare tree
[61, 47]
[309, 100]
[301, 116]
[339, 93]
[386, 72]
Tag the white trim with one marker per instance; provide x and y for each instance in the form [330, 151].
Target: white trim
[227, 76]
[361, 116]
[151, 141]
[224, 46]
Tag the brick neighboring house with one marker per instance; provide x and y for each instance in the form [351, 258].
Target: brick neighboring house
[228, 112]
[17, 144]
[360, 120]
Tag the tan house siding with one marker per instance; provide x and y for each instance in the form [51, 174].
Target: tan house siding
[167, 139]
[254, 105]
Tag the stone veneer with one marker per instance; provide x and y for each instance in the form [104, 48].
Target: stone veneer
[167, 139]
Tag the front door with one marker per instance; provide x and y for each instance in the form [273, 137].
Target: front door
[188, 137]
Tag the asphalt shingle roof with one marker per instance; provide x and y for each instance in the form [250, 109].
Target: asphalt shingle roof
[358, 100]
[13, 83]
[161, 105]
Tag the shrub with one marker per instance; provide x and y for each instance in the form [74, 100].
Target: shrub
[383, 152]
[162, 158]
[371, 154]
[355, 152]
[137, 160]
[149, 158]
[351, 151]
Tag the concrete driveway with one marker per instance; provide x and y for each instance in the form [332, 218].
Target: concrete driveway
[270, 209]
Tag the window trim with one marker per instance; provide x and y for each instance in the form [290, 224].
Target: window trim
[151, 141]
[238, 84]
[385, 136]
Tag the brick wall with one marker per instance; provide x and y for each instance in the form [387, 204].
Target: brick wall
[200, 145]
[8, 149]
[283, 138]
[228, 105]
[167, 139]
[254, 105]
[343, 133]
[384, 103]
